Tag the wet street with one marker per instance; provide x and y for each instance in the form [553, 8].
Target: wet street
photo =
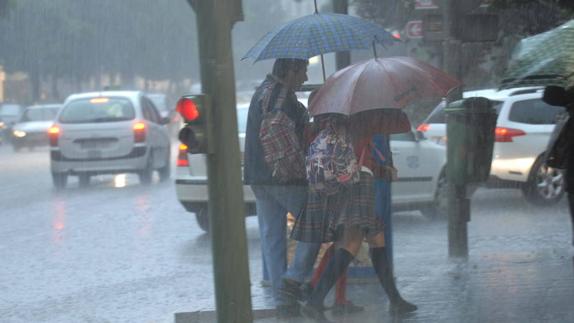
[119, 251]
[116, 251]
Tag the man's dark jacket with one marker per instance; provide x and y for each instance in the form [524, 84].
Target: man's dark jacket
[256, 171]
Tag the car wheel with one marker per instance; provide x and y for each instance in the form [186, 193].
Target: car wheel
[545, 185]
[60, 180]
[84, 180]
[202, 218]
[439, 207]
[145, 175]
[165, 171]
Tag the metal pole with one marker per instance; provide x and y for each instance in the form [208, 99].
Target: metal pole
[458, 204]
[215, 19]
[342, 59]
[323, 68]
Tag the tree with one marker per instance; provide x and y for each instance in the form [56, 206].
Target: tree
[79, 40]
[484, 62]
[567, 5]
[5, 7]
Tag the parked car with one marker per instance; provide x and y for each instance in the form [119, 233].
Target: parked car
[420, 186]
[9, 114]
[31, 130]
[523, 127]
[106, 133]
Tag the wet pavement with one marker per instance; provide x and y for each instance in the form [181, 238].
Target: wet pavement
[520, 269]
[118, 251]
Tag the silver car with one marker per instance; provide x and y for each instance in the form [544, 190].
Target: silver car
[107, 133]
[31, 130]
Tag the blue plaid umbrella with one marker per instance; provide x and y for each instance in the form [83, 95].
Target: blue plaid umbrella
[317, 34]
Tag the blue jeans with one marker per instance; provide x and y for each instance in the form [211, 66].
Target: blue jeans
[273, 202]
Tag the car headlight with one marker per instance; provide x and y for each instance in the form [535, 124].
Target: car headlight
[19, 133]
[2, 125]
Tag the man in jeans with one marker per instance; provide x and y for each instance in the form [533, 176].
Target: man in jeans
[274, 197]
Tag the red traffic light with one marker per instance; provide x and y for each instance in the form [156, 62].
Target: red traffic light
[188, 109]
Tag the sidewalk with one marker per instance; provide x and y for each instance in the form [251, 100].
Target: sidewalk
[520, 269]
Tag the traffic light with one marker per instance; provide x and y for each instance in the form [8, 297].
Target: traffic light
[196, 112]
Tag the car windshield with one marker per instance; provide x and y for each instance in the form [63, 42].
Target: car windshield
[93, 110]
[39, 114]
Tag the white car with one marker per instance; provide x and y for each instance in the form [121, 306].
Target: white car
[107, 133]
[523, 128]
[421, 180]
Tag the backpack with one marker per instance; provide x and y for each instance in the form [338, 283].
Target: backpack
[281, 146]
[331, 164]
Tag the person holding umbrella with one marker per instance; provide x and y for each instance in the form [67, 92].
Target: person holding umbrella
[275, 127]
[371, 93]
[348, 217]
[298, 40]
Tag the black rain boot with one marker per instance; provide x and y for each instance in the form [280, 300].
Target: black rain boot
[335, 268]
[385, 275]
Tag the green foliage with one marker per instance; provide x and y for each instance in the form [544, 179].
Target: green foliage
[6, 6]
[77, 39]
[392, 14]
[507, 4]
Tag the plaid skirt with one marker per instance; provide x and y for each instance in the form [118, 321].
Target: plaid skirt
[325, 217]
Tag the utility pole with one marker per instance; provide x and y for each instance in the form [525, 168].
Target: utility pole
[215, 19]
[458, 204]
[342, 59]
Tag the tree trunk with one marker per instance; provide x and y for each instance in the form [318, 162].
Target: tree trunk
[55, 89]
[35, 85]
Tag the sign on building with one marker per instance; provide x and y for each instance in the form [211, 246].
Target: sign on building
[414, 29]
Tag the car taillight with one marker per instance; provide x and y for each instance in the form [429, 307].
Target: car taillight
[139, 132]
[502, 134]
[54, 134]
[182, 160]
[423, 127]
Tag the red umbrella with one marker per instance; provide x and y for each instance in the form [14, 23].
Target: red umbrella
[377, 83]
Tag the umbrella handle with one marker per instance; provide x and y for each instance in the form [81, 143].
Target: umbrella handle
[375, 48]
[323, 68]
[316, 10]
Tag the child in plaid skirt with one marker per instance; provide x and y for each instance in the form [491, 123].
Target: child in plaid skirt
[348, 217]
